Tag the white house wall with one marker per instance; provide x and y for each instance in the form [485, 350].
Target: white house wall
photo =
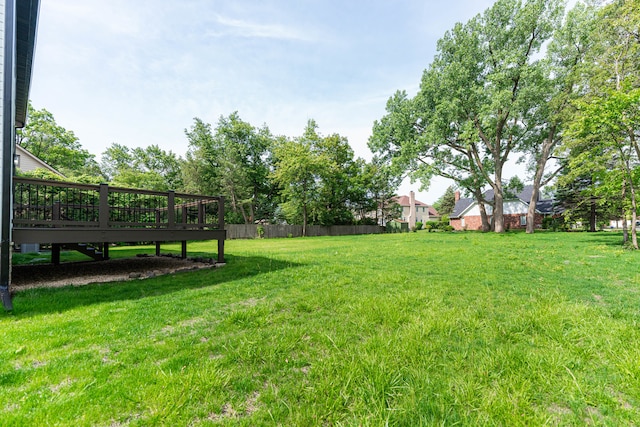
[422, 214]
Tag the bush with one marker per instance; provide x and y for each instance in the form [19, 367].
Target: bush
[554, 224]
[448, 228]
[418, 225]
[433, 225]
[427, 227]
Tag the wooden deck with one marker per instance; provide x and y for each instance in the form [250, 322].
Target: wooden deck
[58, 213]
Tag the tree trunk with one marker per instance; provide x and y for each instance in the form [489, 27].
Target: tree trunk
[634, 210]
[304, 219]
[486, 226]
[625, 230]
[498, 207]
[541, 163]
[592, 217]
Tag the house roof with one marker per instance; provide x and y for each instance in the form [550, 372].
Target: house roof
[26, 24]
[548, 207]
[524, 195]
[404, 201]
[543, 206]
[461, 205]
[21, 151]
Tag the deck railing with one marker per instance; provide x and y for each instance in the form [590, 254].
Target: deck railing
[56, 204]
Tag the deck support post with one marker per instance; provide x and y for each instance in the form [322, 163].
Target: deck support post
[184, 225]
[157, 226]
[221, 227]
[103, 209]
[55, 254]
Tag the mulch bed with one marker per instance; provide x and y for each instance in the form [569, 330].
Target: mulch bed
[82, 273]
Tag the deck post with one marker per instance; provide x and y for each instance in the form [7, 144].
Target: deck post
[103, 209]
[184, 225]
[55, 214]
[201, 215]
[55, 253]
[221, 227]
[171, 210]
[55, 247]
[157, 226]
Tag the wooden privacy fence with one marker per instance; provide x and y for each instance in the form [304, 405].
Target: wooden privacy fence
[250, 231]
[59, 212]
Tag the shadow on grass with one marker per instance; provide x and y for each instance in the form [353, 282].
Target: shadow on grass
[609, 238]
[52, 300]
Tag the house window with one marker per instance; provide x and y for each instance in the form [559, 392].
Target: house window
[523, 220]
[16, 160]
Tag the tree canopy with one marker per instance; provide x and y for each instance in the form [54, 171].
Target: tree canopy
[55, 145]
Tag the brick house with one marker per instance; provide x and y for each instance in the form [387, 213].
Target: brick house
[466, 213]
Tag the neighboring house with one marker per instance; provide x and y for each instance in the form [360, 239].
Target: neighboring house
[27, 162]
[423, 212]
[466, 213]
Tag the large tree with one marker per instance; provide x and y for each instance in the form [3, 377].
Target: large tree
[604, 133]
[233, 159]
[150, 168]
[478, 99]
[337, 186]
[296, 170]
[560, 86]
[55, 145]
[447, 202]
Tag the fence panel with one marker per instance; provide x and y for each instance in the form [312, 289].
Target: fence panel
[250, 231]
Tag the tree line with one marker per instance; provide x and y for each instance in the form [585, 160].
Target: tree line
[310, 180]
[526, 81]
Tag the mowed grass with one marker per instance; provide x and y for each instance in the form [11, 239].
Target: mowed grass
[405, 329]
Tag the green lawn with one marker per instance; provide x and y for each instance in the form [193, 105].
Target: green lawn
[402, 329]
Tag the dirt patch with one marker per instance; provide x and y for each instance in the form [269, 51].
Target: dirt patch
[82, 273]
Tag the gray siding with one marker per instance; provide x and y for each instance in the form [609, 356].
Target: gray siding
[2, 40]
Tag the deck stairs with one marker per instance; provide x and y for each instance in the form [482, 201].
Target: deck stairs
[87, 250]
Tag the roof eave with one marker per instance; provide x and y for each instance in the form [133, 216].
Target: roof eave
[26, 30]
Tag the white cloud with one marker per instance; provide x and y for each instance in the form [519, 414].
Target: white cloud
[241, 28]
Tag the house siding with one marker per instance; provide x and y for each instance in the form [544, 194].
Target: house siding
[28, 162]
[2, 76]
[422, 213]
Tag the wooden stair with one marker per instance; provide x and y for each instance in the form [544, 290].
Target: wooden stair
[83, 248]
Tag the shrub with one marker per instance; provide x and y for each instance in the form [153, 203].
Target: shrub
[427, 227]
[418, 225]
[260, 231]
[448, 228]
[434, 225]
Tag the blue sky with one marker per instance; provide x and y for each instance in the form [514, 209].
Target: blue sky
[136, 72]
